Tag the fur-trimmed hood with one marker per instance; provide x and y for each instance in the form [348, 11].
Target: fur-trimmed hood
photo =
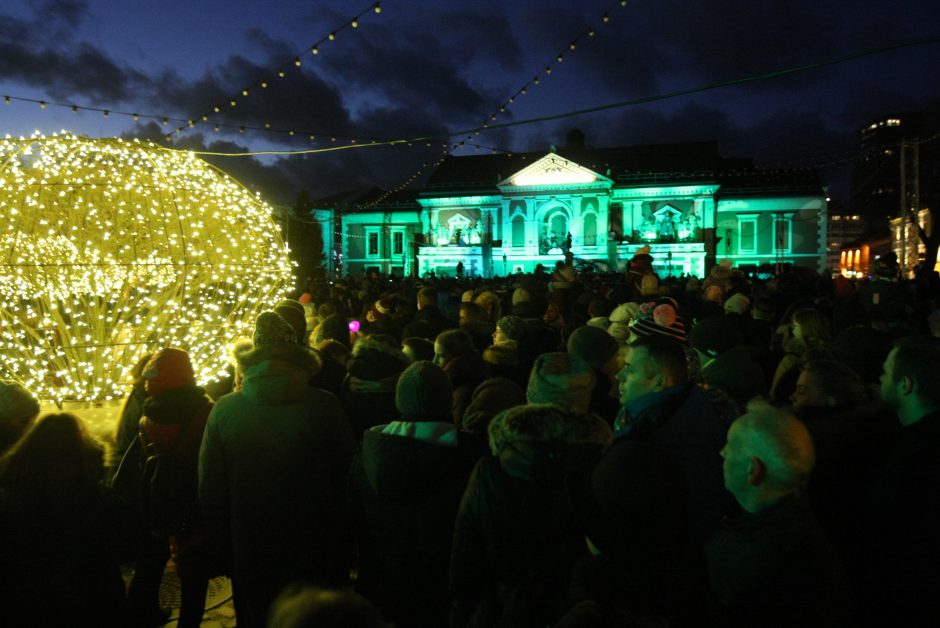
[374, 360]
[521, 425]
[278, 372]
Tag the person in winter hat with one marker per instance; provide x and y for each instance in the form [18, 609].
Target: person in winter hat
[513, 509]
[601, 352]
[725, 361]
[737, 303]
[620, 319]
[18, 410]
[173, 420]
[423, 393]
[276, 436]
[293, 312]
[659, 318]
[562, 379]
[405, 487]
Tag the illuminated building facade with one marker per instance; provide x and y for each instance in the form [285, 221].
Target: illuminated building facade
[500, 214]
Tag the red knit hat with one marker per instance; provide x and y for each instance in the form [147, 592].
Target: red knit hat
[168, 369]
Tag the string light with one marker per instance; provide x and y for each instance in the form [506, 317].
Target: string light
[352, 22]
[112, 249]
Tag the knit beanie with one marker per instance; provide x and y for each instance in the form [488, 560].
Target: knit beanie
[562, 379]
[424, 393]
[18, 406]
[659, 317]
[520, 295]
[737, 303]
[714, 335]
[270, 327]
[295, 315]
[593, 345]
[514, 327]
[168, 369]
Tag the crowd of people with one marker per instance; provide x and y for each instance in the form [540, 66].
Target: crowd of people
[542, 449]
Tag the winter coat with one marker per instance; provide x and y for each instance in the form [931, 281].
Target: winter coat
[516, 539]
[902, 520]
[466, 372]
[851, 444]
[369, 388]
[735, 372]
[405, 486]
[776, 566]
[272, 475]
[172, 425]
[683, 421]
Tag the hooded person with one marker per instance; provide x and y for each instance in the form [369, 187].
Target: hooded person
[601, 352]
[489, 399]
[405, 488]
[18, 410]
[276, 437]
[516, 538]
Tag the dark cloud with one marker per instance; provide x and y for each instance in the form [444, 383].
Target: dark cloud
[40, 51]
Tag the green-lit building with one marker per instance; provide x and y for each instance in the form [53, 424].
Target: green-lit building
[506, 213]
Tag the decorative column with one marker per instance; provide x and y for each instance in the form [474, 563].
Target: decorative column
[531, 228]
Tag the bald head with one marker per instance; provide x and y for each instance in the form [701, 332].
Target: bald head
[769, 454]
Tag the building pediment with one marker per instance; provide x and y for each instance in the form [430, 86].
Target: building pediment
[554, 171]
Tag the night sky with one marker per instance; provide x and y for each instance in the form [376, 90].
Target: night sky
[432, 67]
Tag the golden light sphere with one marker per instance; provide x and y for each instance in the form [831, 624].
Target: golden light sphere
[112, 249]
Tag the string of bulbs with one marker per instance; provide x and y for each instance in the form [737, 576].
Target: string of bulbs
[313, 49]
[522, 91]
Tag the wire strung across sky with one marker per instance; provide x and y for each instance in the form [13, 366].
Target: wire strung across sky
[606, 107]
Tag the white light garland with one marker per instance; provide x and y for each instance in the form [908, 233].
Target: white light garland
[111, 249]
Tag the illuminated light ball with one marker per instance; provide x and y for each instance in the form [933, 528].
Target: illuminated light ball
[112, 249]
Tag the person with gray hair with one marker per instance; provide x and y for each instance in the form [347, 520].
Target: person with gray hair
[773, 564]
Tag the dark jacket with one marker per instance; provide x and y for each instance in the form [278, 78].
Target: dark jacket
[431, 319]
[902, 523]
[851, 444]
[369, 388]
[405, 486]
[736, 372]
[172, 425]
[272, 477]
[776, 568]
[466, 372]
[516, 538]
[684, 422]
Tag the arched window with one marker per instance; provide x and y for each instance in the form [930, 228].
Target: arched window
[589, 224]
[518, 231]
[558, 224]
